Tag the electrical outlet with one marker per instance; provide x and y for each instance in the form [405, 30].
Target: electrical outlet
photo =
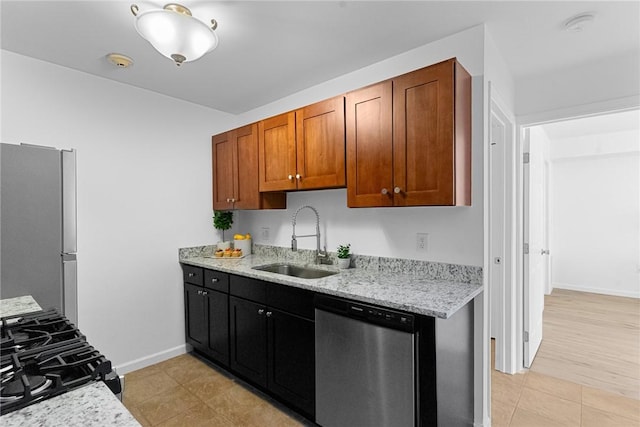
[421, 242]
[264, 234]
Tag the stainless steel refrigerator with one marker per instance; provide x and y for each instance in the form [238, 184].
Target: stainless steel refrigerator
[38, 226]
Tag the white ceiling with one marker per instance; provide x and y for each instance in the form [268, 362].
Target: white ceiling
[268, 49]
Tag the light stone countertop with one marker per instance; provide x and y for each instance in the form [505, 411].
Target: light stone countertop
[18, 305]
[415, 293]
[92, 405]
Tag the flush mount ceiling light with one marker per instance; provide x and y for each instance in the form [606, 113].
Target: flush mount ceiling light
[577, 23]
[175, 33]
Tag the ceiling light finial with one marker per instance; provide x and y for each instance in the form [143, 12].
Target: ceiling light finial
[175, 33]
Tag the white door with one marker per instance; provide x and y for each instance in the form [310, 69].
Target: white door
[534, 258]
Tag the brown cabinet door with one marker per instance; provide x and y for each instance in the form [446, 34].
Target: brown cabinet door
[369, 146]
[277, 153]
[423, 137]
[320, 145]
[246, 159]
[224, 173]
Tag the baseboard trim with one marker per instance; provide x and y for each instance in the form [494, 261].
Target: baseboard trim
[152, 359]
[629, 294]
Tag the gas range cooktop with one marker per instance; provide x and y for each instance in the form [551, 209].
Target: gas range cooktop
[44, 355]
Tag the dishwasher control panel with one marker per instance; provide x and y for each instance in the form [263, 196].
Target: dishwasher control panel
[370, 313]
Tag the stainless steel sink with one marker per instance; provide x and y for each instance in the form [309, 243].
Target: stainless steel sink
[295, 271]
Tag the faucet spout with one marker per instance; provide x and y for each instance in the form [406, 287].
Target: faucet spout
[320, 255]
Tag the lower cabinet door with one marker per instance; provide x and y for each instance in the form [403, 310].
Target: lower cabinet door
[195, 316]
[248, 340]
[291, 359]
[218, 314]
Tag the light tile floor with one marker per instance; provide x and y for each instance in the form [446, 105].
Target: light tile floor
[185, 391]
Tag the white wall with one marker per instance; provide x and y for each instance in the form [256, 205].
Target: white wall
[144, 180]
[595, 82]
[595, 237]
[455, 234]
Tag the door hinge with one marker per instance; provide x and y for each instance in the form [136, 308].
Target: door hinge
[526, 336]
[525, 158]
[526, 249]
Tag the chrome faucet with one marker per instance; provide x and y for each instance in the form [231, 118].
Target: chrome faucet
[320, 255]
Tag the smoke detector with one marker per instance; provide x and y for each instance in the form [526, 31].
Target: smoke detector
[120, 60]
[577, 23]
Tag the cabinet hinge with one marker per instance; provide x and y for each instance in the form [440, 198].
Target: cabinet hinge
[526, 336]
[525, 158]
[526, 248]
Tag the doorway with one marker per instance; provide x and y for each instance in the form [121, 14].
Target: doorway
[580, 226]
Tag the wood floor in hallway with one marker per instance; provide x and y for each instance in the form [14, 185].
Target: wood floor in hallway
[586, 372]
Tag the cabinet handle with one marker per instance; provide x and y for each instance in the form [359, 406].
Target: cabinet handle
[397, 190]
[298, 176]
[228, 200]
[199, 292]
[384, 191]
[233, 200]
[290, 177]
[205, 293]
[215, 280]
[269, 314]
[192, 274]
[261, 311]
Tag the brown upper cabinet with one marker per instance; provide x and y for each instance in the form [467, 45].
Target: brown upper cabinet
[303, 149]
[409, 139]
[235, 172]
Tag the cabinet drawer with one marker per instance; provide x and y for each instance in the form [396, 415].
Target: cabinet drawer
[251, 289]
[294, 300]
[192, 274]
[216, 280]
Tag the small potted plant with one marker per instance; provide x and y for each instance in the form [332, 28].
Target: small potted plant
[344, 255]
[222, 220]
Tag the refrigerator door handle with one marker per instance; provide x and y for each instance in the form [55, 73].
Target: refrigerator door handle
[69, 286]
[69, 204]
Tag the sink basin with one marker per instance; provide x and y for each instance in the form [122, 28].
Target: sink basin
[295, 271]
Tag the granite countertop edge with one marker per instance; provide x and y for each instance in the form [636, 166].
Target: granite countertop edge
[411, 293]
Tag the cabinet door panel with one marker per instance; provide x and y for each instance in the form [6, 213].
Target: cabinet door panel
[248, 340]
[224, 176]
[277, 153]
[320, 144]
[246, 160]
[424, 147]
[369, 146]
[195, 317]
[218, 326]
[291, 359]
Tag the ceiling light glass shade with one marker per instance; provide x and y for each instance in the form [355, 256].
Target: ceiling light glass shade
[176, 34]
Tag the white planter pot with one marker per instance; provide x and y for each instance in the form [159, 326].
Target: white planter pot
[344, 262]
[223, 245]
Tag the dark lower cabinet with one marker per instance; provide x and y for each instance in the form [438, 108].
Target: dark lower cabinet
[195, 316]
[291, 359]
[248, 331]
[207, 313]
[274, 349]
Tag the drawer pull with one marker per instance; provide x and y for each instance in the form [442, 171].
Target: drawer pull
[192, 274]
[215, 280]
[261, 311]
[269, 314]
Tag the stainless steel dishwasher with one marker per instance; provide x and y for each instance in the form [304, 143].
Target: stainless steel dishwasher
[365, 365]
